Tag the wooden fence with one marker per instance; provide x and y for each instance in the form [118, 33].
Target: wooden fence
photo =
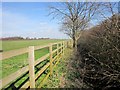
[32, 63]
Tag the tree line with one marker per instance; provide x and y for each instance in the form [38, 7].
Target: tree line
[22, 38]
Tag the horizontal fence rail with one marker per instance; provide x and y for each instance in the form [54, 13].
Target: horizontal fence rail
[32, 63]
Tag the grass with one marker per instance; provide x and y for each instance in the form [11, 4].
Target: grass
[60, 73]
[59, 77]
[16, 44]
[13, 64]
[64, 74]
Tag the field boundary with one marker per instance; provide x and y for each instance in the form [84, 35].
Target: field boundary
[32, 63]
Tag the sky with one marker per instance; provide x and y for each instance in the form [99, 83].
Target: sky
[29, 19]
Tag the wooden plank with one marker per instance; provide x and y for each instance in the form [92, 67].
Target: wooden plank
[60, 47]
[54, 51]
[42, 59]
[17, 74]
[40, 47]
[0, 84]
[66, 44]
[43, 81]
[12, 53]
[63, 47]
[56, 43]
[26, 85]
[57, 62]
[49, 64]
[42, 70]
[0, 56]
[48, 74]
[57, 49]
[31, 66]
[58, 57]
[50, 51]
[13, 76]
[54, 58]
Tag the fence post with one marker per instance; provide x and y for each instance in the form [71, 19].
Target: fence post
[50, 50]
[67, 44]
[63, 47]
[64, 44]
[31, 66]
[70, 44]
[57, 49]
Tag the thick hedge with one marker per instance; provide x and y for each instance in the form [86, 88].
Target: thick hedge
[98, 50]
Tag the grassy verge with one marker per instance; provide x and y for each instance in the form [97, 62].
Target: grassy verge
[59, 78]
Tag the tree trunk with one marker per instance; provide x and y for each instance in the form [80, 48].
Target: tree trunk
[74, 43]
[74, 36]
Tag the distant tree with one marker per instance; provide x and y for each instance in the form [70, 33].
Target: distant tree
[27, 38]
[35, 38]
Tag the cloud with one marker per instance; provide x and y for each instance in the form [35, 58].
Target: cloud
[14, 24]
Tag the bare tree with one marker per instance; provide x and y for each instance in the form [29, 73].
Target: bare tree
[75, 17]
[67, 26]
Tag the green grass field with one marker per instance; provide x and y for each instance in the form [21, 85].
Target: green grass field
[16, 44]
[13, 64]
